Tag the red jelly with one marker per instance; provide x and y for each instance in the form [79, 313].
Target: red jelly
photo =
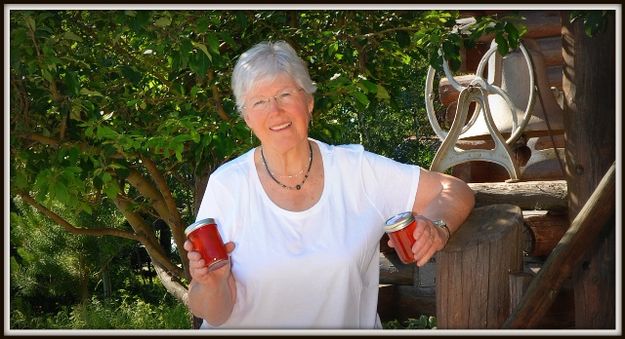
[400, 228]
[207, 241]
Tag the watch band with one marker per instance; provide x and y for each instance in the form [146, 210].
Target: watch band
[442, 224]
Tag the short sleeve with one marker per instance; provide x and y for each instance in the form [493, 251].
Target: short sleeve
[215, 198]
[391, 186]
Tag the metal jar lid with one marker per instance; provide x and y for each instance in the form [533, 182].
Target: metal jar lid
[398, 221]
[197, 224]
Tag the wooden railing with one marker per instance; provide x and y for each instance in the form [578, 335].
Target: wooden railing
[583, 232]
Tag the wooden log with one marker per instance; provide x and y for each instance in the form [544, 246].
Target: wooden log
[528, 195]
[585, 230]
[546, 229]
[591, 105]
[393, 271]
[472, 270]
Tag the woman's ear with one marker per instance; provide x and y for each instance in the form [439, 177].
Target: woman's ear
[246, 119]
[311, 105]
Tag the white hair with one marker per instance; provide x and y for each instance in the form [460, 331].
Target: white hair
[266, 60]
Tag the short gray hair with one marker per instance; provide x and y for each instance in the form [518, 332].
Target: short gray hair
[267, 60]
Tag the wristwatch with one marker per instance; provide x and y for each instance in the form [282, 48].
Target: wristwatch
[442, 224]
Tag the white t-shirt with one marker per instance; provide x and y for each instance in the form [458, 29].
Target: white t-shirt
[317, 268]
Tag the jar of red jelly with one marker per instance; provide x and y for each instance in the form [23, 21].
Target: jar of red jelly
[206, 240]
[400, 228]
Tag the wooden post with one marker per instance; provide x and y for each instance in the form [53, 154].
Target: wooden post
[472, 270]
[589, 85]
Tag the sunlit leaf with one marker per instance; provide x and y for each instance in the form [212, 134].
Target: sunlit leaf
[72, 36]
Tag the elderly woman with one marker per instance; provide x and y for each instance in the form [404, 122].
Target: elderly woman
[302, 219]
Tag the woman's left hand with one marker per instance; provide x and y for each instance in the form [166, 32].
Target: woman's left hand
[428, 240]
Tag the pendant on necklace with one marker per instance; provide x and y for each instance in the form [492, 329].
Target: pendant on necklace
[298, 187]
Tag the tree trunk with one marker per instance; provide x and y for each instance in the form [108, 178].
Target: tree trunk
[107, 287]
[589, 100]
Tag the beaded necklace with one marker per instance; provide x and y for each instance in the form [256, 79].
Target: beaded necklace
[298, 186]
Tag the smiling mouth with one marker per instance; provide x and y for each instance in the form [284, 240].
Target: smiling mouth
[280, 127]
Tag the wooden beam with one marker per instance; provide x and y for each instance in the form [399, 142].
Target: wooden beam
[584, 231]
[528, 195]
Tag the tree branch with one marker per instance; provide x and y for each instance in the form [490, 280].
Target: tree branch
[155, 251]
[176, 220]
[173, 285]
[163, 188]
[73, 229]
[147, 189]
[82, 146]
[217, 97]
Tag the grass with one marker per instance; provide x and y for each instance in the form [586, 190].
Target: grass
[127, 312]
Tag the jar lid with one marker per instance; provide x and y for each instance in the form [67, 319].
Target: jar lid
[398, 221]
[198, 224]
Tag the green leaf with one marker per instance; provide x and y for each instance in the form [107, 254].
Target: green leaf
[178, 149]
[201, 25]
[111, 189]
[86, 91]
[60, 192]
[502, 44]
[513, 36]
[47, 75]
[72, 36]
[72, 83]
[361, 98]
[104, 132]
[203, 48]
[213, 43]
[381, 93]
[369, 86]
[333, 48]
[163, 21]
[199, 63]
[85, 207]
[75, 111]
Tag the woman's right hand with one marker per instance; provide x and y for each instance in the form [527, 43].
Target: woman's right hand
[211, 294]
[198, 269]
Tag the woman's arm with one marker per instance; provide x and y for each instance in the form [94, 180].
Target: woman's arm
[442, 196]
[439, 197]
[211, 294]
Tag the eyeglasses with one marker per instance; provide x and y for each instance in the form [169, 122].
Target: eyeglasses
[261, 104]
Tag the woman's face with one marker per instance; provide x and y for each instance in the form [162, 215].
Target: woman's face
[278, 112]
